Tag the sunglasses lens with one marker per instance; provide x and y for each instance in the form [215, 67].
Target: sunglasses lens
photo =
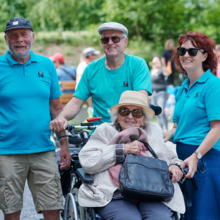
[123, 111]
[105, 40]
[193, 52]
[116, 39]
[181, 51]
[137, 113]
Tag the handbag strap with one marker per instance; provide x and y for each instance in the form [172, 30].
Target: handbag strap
[149, 148]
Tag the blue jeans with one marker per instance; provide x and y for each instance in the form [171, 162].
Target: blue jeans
[134, 210]
[205, 200]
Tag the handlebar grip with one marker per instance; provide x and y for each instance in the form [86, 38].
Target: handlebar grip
[94, 119]
[87, 124]
[186, 170]
[75, 140]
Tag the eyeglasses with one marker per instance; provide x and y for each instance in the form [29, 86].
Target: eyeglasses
[115, 39]
[137, 113]
[191, 51]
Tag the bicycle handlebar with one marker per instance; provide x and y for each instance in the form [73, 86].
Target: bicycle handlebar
[78, 138]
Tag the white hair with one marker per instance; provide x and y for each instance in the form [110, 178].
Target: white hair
[114, 117]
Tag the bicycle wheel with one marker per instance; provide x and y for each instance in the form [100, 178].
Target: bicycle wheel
[80, 209]
[70, 208]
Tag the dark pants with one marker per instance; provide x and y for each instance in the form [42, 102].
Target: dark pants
[205, 200]
[130, 210]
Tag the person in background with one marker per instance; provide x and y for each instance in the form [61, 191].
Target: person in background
[197, 123]
[168, 62]
[29, 97]
[89, 54]
[107, 78]
[64, 72]
[159, 85]
[218, 64]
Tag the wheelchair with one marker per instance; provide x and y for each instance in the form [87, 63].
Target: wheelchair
[77, 176]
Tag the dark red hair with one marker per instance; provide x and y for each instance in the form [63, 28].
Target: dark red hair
[200, 41]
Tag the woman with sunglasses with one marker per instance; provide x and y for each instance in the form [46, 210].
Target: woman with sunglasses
[101, 154]
[196, 129]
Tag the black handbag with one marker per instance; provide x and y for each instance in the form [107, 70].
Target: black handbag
[145, 178]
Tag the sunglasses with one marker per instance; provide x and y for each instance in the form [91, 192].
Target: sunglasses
[191, 51]
[115, 39]
[137, 113]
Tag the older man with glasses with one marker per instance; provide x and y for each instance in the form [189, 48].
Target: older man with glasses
[107, 78]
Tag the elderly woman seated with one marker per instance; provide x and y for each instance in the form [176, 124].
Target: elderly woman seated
[102, 152]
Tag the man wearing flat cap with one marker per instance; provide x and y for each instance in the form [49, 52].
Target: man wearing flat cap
[107, 78]
[29, 97]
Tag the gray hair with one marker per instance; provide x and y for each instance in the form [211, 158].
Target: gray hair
[114, 117]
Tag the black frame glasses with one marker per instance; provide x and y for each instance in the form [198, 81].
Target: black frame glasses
[136, 113]
[115, 39]
[191, 51]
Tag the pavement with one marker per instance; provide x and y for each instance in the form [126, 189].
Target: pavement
[29, 212]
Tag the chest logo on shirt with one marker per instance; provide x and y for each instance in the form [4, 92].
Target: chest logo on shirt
[197, 95]
[40, 74]
[125, 84]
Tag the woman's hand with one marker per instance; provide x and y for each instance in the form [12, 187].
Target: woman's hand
[167, 135]
[191, 162]
[176, 172]
[133, 148]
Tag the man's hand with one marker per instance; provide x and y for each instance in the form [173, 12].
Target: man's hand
[65, 157]
[58, 124]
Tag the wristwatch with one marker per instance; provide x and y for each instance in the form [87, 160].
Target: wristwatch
[198, 155]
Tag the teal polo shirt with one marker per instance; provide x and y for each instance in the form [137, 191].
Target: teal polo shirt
[195, 108]
[25, 93]
[106, 86]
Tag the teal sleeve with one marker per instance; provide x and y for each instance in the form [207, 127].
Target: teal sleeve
[141, 77]
[176, 100]
[212, 101]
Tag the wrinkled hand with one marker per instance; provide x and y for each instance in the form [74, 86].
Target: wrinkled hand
[58, 124]
[65, 158]
[133, 148]
[191, 162]
[167, 135]
[176, 172]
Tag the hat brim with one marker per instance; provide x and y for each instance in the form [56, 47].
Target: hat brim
[149, 111]
[96, 52]
[17, 27]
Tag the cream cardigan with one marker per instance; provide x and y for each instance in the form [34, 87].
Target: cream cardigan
[96, 157]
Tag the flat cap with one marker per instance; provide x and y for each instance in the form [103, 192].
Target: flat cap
[18, 22]
[112, 26]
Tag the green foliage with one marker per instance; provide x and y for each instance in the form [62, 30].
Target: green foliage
[150, 22]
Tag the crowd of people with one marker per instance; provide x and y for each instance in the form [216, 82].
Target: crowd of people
[120, 86]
